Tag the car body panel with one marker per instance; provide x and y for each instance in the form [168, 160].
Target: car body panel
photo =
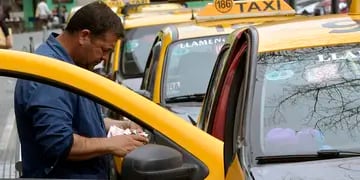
[150, 19]
[318, 31]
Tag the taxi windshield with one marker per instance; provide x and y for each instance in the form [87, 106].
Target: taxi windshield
[307, 100]
[189, 64]
[136, 48]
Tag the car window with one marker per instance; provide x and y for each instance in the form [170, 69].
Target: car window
[136, 48]
[9, 143]
[308, 100]
[189, 64]
[149, 78]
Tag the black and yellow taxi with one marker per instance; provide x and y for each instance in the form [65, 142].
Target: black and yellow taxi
[172, 152]
[284, 97]
[182, 56]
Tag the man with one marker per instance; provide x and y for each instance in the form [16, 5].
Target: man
[62, 134]
[43, 13]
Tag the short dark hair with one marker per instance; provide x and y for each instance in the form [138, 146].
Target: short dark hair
[96, 17]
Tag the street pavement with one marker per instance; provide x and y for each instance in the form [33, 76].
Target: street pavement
[22, 41]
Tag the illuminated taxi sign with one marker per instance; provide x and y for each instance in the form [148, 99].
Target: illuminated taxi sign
[227, 9]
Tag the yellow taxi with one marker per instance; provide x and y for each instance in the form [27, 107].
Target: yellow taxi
[142, 20]
[129, 58]
[182, 56]
[141, 24]
[181, 155]
[284, 98]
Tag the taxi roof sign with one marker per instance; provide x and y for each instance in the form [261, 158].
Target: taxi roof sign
[229, 9]
[121, 3]
[117, 5]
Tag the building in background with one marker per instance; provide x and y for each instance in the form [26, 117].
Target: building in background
[22, 17]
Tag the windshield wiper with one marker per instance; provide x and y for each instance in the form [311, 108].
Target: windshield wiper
[187, 98]
[322, 154]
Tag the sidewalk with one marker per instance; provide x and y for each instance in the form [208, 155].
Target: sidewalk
[22, 41]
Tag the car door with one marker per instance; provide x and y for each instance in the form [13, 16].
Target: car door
[193, 154]
[226, 56]
[236, 98]
[227, 98]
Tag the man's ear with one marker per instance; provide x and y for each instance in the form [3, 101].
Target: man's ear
[84, 36]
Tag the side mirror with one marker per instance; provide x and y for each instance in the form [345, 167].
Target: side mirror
[153, 162]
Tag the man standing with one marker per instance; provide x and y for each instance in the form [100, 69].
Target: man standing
[62, 134]
[43, 13]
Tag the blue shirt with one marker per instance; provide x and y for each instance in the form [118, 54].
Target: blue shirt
[46, 119]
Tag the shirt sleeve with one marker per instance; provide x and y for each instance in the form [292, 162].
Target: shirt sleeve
[51, 110]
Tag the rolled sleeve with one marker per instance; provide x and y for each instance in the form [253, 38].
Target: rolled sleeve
[51, 117]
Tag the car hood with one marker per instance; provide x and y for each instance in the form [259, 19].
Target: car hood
[185, 109]
[132, 83]
[341, 168]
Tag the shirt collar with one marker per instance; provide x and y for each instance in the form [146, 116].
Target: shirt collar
[58, 48]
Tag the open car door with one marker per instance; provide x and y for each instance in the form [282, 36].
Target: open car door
[227, 102]
[236, 98]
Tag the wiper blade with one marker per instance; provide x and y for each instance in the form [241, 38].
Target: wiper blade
[334, 153]
[187, 98]
[320, 155]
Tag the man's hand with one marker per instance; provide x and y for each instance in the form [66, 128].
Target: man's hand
[123, 144]
[124, 124]
[132, 125]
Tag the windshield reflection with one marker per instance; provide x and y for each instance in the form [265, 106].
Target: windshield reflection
[136, 48]
[189, 64]
[310, 100]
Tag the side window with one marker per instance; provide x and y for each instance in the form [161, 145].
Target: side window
[9, 143]
[150, 71]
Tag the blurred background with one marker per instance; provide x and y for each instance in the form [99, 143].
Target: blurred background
[22, 11]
